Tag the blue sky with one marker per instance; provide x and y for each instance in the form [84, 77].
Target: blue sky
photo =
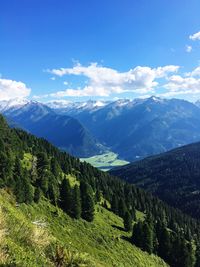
[106, 49]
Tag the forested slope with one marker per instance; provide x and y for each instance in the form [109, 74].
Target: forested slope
[39, 175]
[173, 176]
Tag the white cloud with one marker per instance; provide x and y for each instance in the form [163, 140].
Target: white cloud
[181, 85]
[195, 72]
[105, 81]
[188, 48]
[52, 78]
[10, 89]
[195, 36]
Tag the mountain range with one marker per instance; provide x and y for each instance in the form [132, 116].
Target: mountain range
[63, 131]
[137, 128]
[133, 129]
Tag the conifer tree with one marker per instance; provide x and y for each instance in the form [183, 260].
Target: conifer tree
[87, 202]
[114, 204]
[76, 203]
[122, 208]
[164, 242]
[98, 195]
[55, 168]
[188, 255]
[147, 238]
[65, 196]
[137, 235]
[127, 221]
[18, 187]
[27, 188]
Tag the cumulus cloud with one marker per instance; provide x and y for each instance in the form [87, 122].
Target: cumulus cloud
[182, 85]
[195, 72]
[103, 81]
[10, 89]
[188, 48]
[195, 36]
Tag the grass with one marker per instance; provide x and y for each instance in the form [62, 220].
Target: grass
[72, 180]
[27, 161]
[105, 161]
[39, 234]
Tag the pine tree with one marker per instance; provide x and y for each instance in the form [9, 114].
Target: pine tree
[53, 190]
[76, 203]
[147, 238]
[114, 204]
[137, 235]
[188, 255]
[98, 195]
[55, 168]
[133, 213]
[27, 188]
[122, 208]
[127, 221]
[18, 187]
[65, 196]
[87, 202]
[164, 242]
[3, 166]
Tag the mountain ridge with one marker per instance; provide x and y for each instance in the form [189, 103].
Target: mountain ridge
[62, 130]
[138, 128]
[173, 176]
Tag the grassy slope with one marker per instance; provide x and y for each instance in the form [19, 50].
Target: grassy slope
[106, 161]
[29, 244]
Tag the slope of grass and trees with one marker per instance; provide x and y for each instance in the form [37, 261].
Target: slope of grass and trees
[48, 190]
[172, 176]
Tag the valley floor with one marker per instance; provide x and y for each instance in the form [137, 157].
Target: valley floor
[105, 161]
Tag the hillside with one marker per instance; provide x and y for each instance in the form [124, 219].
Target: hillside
[63, 131]
[172, 176]
[41, 229]
[50, 186]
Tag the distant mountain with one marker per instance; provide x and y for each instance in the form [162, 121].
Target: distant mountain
[173, 176]
[138, 128]
[63, 131]
[73, 108]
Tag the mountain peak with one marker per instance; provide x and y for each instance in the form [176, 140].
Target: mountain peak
[13, 103]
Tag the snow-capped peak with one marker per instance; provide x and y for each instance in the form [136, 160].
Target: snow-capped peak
[13, 103]
[57, 104]
[64, 104]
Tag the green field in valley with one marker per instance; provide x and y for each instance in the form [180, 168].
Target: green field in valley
[105, 161]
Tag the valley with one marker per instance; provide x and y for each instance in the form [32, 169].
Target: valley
[132, 129]
[99, 133]
[64, 210]
[105, 161]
